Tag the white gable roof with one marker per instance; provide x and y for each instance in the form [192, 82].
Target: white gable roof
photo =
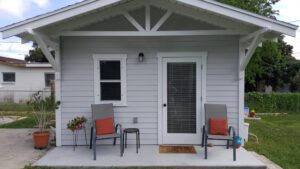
[86, 6]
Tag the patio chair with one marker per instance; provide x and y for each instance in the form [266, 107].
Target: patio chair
[217, 111]
[104, 127]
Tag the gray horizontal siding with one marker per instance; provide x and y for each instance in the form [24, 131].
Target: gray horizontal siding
[77, 78]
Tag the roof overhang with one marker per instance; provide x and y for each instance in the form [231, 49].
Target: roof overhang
[243, 15]
[239, 15]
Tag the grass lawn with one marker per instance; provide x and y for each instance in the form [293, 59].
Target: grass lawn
[279, 139]
[28, 122]
[14, 107]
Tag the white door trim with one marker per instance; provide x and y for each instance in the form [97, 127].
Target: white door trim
[162, 55]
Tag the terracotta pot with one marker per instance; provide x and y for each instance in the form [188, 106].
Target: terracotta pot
[252, 114]
[237, 146]
[41, 139]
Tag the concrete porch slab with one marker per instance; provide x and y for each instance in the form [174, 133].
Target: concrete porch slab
[148, 156]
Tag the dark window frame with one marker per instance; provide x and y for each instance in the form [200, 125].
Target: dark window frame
[8, 81]
[116, 79]
[45, 79]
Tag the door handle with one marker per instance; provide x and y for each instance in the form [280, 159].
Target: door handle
[164, 105]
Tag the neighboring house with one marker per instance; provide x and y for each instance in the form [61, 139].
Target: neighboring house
[20, 79]
[157, 60]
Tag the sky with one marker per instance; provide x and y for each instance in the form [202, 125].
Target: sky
[12, 11]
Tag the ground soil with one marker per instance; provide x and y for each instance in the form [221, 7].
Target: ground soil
[16, 148]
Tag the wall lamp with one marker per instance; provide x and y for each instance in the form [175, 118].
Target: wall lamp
[141, 57]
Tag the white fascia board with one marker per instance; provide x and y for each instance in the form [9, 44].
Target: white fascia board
[242, 15]
[55, 16]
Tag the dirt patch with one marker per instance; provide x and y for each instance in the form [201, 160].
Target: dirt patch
[16, 148]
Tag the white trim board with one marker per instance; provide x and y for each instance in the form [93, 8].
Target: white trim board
[151, 33]
[162, 55]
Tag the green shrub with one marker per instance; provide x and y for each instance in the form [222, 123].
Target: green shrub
[273, 102]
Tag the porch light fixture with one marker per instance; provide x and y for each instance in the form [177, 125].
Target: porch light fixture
[141, 57]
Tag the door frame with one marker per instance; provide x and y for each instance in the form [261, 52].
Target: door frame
[161, 55]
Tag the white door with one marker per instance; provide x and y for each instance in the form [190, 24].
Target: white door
[181, 100]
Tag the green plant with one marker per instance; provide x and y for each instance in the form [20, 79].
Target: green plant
[273, 102]
[41, 107]
[76, 123]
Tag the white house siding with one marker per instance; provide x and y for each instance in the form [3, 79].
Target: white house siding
[142, 84]
[28, 81]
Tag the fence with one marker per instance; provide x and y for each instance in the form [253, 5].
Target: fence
[19, 96]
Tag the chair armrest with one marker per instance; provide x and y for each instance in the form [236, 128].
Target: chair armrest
[231, 128]
[118, 126]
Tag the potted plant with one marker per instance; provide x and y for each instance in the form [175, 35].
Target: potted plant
[238, 141]
[77, 123]
[42, 108]
[252, 113]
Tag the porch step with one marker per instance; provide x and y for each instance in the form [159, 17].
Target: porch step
[148, 158]
[164, 167]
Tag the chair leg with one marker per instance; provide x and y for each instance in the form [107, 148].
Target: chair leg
[227, 145]
[125, 140]
[234, 150]
[202, 143]
[115, 139]
[91, 138]
[94, 146]
[205, 144]
[137, 143]
[121, 145]
[139, 139]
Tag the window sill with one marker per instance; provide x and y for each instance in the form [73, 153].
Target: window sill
[115, 104]
[8, 83]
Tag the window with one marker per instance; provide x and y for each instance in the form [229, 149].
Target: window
[49, 77]
[110, 79]
[9, 77]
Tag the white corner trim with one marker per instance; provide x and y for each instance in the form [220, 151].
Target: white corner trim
[203, 85]
[58, 116]
[119, 57]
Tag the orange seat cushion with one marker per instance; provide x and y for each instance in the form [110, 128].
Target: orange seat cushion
[105, 126]
[218, 126]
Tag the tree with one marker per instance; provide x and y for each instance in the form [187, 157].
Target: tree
[36, 55]
[273, 62]
[262, 7]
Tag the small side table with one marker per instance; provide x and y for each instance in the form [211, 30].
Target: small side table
[132, 130]
[75, 136]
